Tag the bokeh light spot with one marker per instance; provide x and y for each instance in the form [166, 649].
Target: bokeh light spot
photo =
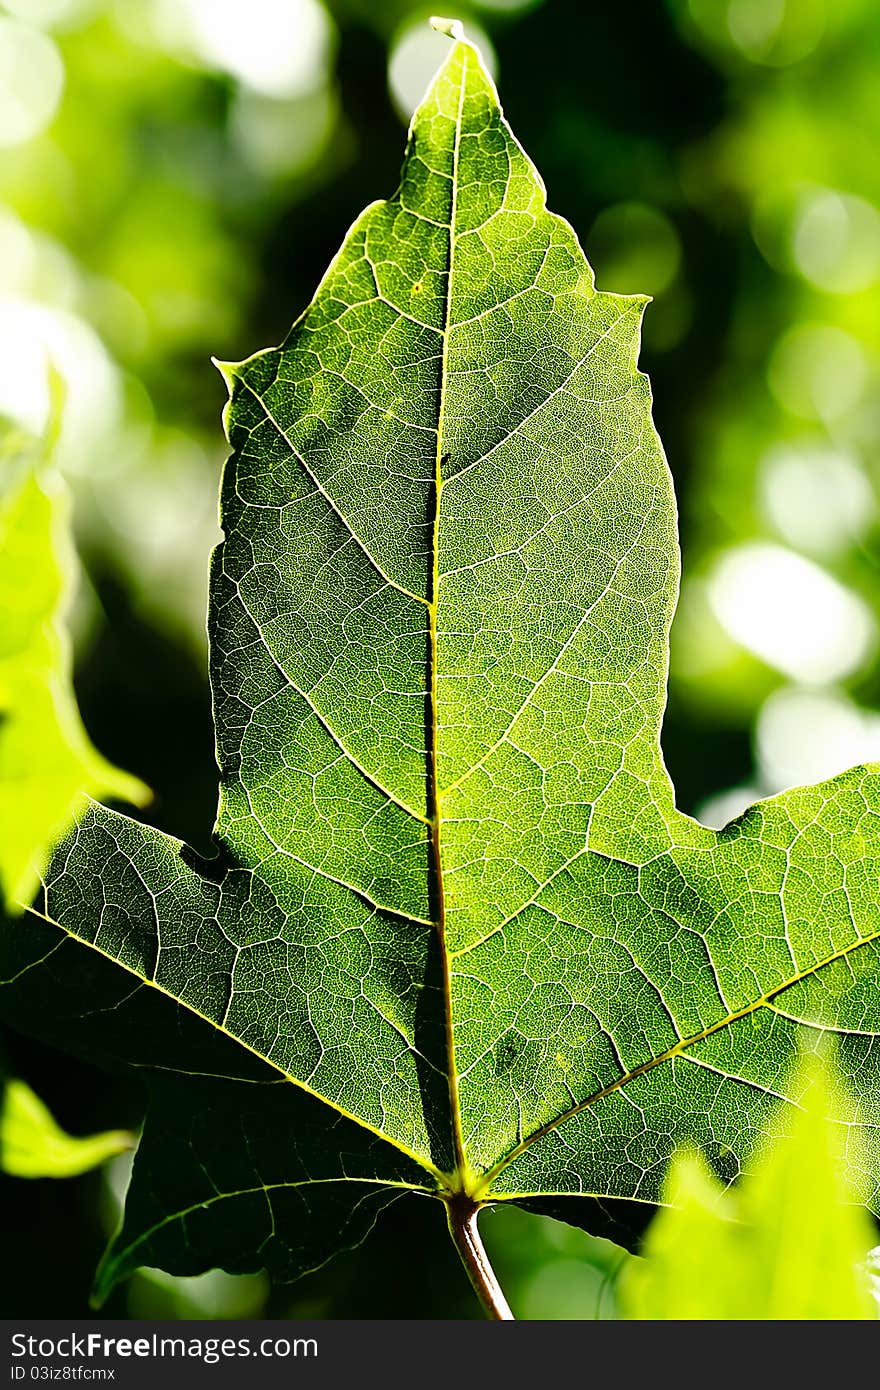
[790, 613]
[51, 13]
[277, 47]
[36, 337]
[754, 24]
[817, 371]
[281, 138]
[31, 82]
[634, 249]
[771, 32]
[806, 736]
[835, 241]
[816, 497]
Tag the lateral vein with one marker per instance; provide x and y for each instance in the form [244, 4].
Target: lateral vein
[765, 1001]
[269, 1062]
[330, 500]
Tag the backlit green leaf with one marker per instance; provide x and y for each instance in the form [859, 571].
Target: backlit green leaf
[456, 936]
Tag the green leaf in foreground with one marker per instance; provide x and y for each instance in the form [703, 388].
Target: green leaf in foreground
[48, 767]
[457, 939]
[784, 1245]
[33, 1145]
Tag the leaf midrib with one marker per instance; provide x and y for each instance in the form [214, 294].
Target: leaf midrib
[460, 1175]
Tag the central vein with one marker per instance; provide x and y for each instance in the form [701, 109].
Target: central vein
[433, 770]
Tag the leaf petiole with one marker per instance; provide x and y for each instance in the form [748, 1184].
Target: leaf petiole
[461, 1212]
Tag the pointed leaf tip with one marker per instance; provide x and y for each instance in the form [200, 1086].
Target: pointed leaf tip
[227, 370]
[453, 28]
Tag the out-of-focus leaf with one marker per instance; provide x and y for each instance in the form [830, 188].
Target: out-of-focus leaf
[33, 1145]
[48, 767]
[785, 1245]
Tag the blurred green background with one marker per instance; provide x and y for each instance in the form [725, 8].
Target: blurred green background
[175, 176]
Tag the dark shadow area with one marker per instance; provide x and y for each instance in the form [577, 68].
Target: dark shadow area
[145, 702]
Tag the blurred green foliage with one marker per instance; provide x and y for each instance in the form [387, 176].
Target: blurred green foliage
[32, 1145]
[47, 766]
[783, 1245]
[175, 176]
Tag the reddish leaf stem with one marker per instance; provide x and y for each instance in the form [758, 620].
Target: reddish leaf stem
[462, 1212]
